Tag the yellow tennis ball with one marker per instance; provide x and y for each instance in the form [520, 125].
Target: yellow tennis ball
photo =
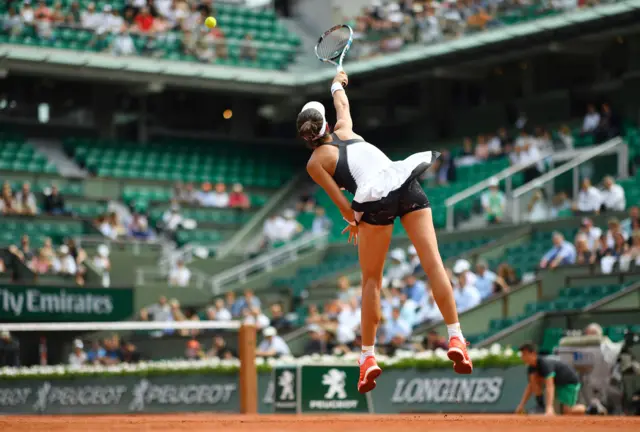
[210, 22]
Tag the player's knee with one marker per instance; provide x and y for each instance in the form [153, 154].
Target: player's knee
[371, 283]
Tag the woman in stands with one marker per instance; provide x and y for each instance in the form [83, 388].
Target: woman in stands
[383, 190]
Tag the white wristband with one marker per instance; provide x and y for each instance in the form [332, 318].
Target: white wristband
[336, 86]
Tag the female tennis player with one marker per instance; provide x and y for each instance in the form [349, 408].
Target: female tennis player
[383, 190]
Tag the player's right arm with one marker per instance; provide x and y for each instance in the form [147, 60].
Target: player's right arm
[341, 103]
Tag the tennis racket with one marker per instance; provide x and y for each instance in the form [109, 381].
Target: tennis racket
[334, 44]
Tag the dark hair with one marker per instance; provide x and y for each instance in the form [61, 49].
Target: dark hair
[528, 347]
[309, 125]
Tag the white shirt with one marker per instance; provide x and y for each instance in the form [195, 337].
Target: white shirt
[277, 343]
[171, 219]
[494, 145]
[539, 212]
[123, 45]
[68, 265]
[349, 318]
[107, 231]
[27, 15]
[589, 200]
[396, 272]
[77, 359]
[428, 311]
[614, 198]
[180, 276]
[530, 156]
[286, 228]
[163, 7]
[467, 297]
[219, 199]
[593, 235]
[90, 20]
[591, 121]
[160, 313]
[270, 228]
[223, 314]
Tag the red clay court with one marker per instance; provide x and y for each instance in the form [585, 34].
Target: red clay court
[319, 423]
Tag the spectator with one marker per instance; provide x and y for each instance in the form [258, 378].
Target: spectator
[41, 264]
[102, 263]
[139, 227]
[467, 157]
[180, 275]
[53, 201]
[349, 318]
[463, 266]
[345, 290]
[529, 155]
[24, 253]
[272, 345]
[249, 300]
[565, 139]
[620, 245]
[289, 227]
[89, 18]
[122, 44]
[129, 353]
[434, 341]
[313, 315]
[67, 265]
[78, 357]
[271, 229]
[321, 222]
[602, 249]
[495, 146]
[317, 343]
[105, 227]
[482, 149]
[9, 350]
[398, 268]
[591, 120]
[177, 316]
[254, 316]
[205, 195]
[445, 168]
[161, 311]
[278, 320]
[632, 221]
[220, 349]
[188, 194]
[613, 197]
[78, 254]
[508, 276]
[589, 198]
[634, 251]
[238, 198]
[234, 305]
[396, 329]
[74, 16]
[193, 350]
[12, 22]
[171, 218]
[584, 254]
[222, 313]
[561, 206]
[26, 201]
[466, 295]
[27, 13]
[220, 197]
[591, 233]
[609, 126]
[144, 21]
[116, 227]
[113, 22]
[614, 228]
[8, 203]
[248, 49]
[112, 352]
[416, 289]
[485, 280]
[494, 202]
[538, 209]
[428, 309]
[96, 354]
[408, 309]
[562, 253]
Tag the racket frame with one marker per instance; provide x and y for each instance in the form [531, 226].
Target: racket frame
[340, 57]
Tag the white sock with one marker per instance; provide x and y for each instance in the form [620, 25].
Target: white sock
[367, 351]
[454, 330]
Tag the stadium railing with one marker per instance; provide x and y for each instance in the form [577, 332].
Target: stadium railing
[264, 263]
[616, 145]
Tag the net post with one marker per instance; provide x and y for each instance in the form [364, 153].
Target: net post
[248, 373]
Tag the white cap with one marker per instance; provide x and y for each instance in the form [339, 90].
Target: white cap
[78, 344]
[320, 108]
[411, 250]
[103, 251]
[269, 331]
[493, 182]
[398, 254]
[461, 266]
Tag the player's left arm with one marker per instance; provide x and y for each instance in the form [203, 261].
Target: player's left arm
[549, 394]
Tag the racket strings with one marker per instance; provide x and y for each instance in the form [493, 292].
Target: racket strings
[332, 44]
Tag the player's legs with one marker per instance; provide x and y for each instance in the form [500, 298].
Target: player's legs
[568, 396]
[419, 226]
[373, 244]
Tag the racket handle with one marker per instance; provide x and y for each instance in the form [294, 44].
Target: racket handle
[340, 68]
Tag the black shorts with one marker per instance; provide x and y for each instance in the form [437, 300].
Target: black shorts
[409, 197]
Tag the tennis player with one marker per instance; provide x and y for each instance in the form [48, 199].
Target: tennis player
[383, 191]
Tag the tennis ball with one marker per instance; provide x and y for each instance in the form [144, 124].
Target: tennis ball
[210, 22]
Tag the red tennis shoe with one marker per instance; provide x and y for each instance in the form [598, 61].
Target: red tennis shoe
[369, 371]
[459, 356]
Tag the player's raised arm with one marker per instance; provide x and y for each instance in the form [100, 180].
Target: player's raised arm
[341, 102]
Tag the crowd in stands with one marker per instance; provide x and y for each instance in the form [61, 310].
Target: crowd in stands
[109, 351]
[616, 247]
[9, 350]
[388, 26]
[406, 302]
[113, 28]
[247, 308]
